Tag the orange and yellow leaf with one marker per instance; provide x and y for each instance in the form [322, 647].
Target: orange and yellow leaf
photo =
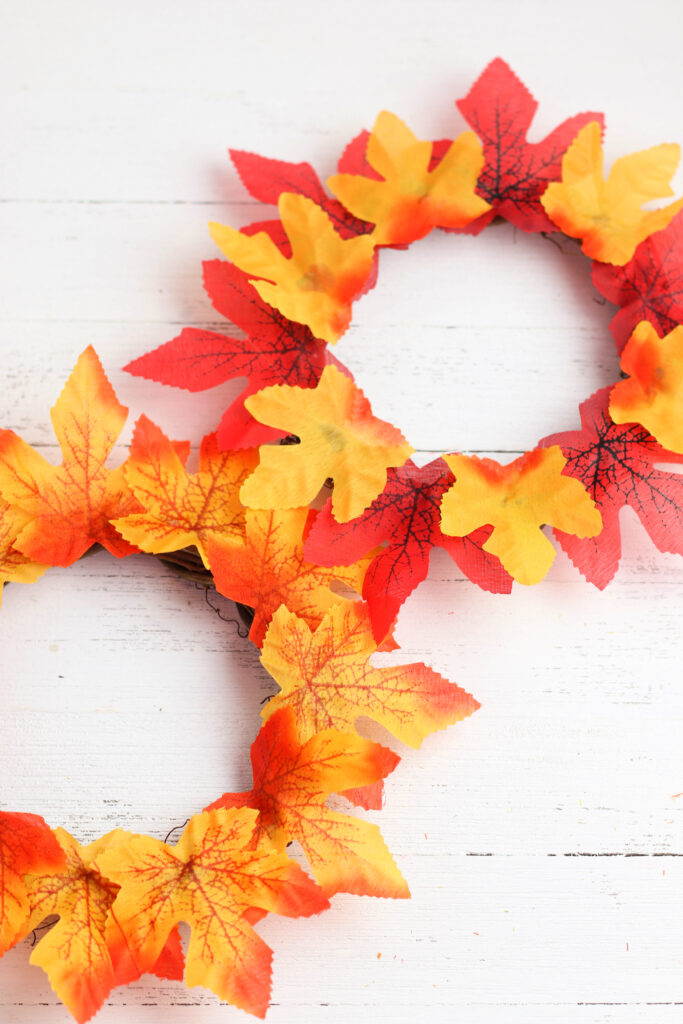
[412, 199]
[326, 678]
[339, 438]
[607, 215]
[210, 879]
[517, 500]
[653, 393]
[60, 511]
[27, 846]
[292, 781]
[182, 508]
[269, 569]
[317, 284]
[14, 566]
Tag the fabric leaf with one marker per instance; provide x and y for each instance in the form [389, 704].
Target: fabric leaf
[339, 438]
[269, 569]
[516, 500]
[406, 519]
[327, 679]
[325, 272]
[410, 199]
[27, 846]
[209, 880]
[616, 464]
[70, 507]
[649, 286]
[516, 173]
[292, 781]
[182, 508]
[653, 392]
[607, 214]
[14, 566]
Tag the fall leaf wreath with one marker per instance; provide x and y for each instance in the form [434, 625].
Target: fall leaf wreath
[252, 515]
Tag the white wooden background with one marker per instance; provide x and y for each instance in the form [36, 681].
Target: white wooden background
[542, 839]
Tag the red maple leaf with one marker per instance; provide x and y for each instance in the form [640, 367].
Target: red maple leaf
[500, 109]
[616, 465]
[649, 287]
[406, 518]
[267, 179]
[274, 351]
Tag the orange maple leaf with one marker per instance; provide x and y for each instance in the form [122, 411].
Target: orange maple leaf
[327, 679]
[14, 566]
[27, 845]
[209, 880]
[340, 438]
[69, 507]
[182, 508]
[269, 569]
[652, 394]
[324, 273]
[84, 955]
[517, 500]
[412, 199]
[607, 214]
[292, 781]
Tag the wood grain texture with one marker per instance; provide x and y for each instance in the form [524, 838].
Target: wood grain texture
[542, 838]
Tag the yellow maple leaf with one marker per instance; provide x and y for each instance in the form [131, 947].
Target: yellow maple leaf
[411, 199]
[182, 508]
[653, 393]
[327, 679]
[325, 272]
[517, 500]
[339, 438]
[607, 215]
[15, 567]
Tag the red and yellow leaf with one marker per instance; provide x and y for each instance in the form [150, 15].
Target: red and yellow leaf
[69, 507]
[607, 214]
[27, 846]
[653, 393]
[325, 272]
[269, 569]
[210, 880]
[14, 566]
[410, 199]
[292, 781]
[78, 955]
[339, 438]
[327, 680]
[182, 508]
[516, 500]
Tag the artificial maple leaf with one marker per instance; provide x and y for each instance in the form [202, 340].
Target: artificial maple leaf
[269, 569]
[339, 438]
[77, 954]
[69, 507]
[616, 465]
[266, 179]
[292, 781]
[210, 879]
[516, 173]
[14, 566]
[325, 272]
[275, 351]
[649, 286]
[517, 500]
[653, 392]
[182, 508]
[410, 199]
[406, 518]
[607, 214]
[27, 846]
[327, 679]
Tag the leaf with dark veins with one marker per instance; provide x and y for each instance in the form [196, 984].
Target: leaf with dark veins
[500, 109]
[406, 519]
[616, 465]
[649, 287]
